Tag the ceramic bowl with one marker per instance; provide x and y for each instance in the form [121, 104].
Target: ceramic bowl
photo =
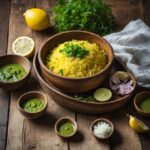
[11, 59]
[138, 98]
[75, 85]
[62, 120]
[27, 96]
[102, 120]
[66, 100]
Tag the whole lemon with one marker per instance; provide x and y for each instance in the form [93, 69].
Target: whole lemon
[37, 19]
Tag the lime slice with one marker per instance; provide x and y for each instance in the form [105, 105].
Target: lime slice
[137, 125]
[102, 94]
[23, 46]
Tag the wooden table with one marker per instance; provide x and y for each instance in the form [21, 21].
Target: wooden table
[18, 133]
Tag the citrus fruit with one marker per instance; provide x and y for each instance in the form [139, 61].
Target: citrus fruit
[37, 19]
[137, 125]
[102, 94]
[23, 46]
[122, 75]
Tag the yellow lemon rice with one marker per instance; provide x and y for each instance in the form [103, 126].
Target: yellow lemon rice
[94, 61]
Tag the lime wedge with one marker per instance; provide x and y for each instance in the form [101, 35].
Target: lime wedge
[102, 94]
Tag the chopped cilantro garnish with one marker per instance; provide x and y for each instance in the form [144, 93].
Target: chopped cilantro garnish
[61, 72]
[52, 68]
[74, 50]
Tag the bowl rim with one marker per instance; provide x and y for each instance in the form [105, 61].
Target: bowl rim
[136, 103]
[66, 119]
[104, 120]
[28, 71]
[81, 102]
[28, 93]
[80, 78]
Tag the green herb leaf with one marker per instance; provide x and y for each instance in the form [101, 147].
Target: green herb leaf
[52, 68]
[90, 15]
[61, 72]
[74, 50]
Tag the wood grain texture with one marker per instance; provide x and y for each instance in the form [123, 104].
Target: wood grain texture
[145, 11]
[17, 27]
[125, 11]
[124, 137]
[22, 133]
[4, 95]
[39, 134]
[84, 140]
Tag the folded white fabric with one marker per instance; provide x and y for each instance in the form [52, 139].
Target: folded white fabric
[132, 46]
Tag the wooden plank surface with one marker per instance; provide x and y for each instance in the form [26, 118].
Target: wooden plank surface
[25, 134]
[4, 95]
[28, 134]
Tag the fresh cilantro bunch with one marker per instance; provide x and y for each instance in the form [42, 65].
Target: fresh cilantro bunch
[90, 15]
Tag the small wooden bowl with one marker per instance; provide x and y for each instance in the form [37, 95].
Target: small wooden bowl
[75, 85]
[138, 98]
[102, 120]
[24, 62]
[62, 120]
[27, 96]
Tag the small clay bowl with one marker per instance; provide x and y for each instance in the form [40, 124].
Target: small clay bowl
[62, 120]
[27, 96]
[137, 100]
[102, 120]
[15, 59]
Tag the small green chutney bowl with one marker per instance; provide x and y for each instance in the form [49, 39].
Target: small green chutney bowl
[30, 95]
[138, 99]
[61, 122]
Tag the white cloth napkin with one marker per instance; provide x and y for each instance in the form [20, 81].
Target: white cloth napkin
[132, 46]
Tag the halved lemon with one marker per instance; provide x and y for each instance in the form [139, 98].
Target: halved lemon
[137, 125]
[102, 94]
[23, 46]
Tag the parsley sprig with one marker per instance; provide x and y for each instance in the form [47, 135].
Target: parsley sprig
[90, 15]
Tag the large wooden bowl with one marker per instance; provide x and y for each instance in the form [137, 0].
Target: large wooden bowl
[75, 85]
[67, 101]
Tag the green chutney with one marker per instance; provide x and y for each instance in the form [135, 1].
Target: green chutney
[12, 73]
[145, 104]
[33, 105]
[66, 129]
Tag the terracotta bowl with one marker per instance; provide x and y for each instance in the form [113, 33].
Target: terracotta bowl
[138, 98]
[24, 62]
[75, 85]
[27, 96]
[66, 100]
[62, 120]
[102, 120]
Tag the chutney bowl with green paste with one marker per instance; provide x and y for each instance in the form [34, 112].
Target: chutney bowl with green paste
[32, 104]
[142, 103]
[15, 71]
[75, 61]
[66, 127]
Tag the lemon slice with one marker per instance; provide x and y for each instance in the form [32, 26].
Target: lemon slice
[23, 46]
[102, 94]
[137, 125]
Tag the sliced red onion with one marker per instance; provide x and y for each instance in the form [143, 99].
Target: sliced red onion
[121, 88]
